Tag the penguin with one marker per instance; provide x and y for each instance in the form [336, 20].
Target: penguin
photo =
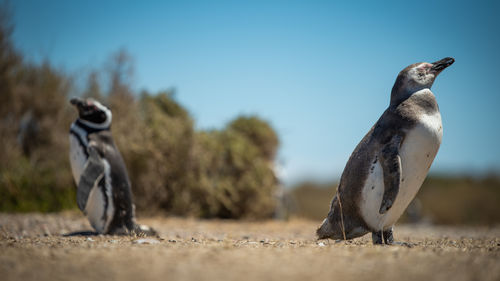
[104, 192]
[388, 166]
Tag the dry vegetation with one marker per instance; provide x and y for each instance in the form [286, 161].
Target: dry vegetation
[441, 200]
[174, 168]
[32, 248]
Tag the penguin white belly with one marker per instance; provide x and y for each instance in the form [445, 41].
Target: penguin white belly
[77, 157]
[98, 210]
[419, 148]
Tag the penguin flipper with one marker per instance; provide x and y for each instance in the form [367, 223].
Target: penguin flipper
[92, 174]
[391, 167]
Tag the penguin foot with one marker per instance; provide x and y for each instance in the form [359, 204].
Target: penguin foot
[383, 237]
[133, 230]
[377, 238]
[144, 230]
[388, 237]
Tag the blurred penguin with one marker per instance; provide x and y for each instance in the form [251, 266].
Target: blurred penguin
[104, 194]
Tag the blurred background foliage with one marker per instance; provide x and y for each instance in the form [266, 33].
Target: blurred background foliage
[441, 200]
[174, 169]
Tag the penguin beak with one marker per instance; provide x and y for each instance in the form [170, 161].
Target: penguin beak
[440, 65]
[81, 105]
[77, 102]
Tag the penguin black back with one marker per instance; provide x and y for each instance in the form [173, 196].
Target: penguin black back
[122, 192]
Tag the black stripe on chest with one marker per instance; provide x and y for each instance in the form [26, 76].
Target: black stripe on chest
[82, 132]
[80, 141]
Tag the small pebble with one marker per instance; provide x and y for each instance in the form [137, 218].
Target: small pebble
[146, 241]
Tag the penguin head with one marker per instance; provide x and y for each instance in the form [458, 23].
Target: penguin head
[416, 77]
[92, 113]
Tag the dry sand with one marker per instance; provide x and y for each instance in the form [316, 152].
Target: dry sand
[32, 248]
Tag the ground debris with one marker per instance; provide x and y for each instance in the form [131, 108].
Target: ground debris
[146, 241]
[239, 250]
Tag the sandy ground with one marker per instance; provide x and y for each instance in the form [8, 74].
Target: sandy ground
[32, 248]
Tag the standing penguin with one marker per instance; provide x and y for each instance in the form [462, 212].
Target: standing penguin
[103, 187]
[387, 168]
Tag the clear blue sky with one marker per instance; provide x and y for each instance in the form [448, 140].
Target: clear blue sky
[320, 71]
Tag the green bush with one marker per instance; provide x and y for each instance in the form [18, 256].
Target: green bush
[27, 188]
[231, 179]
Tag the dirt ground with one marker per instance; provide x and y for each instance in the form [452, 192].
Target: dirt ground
[32, 248]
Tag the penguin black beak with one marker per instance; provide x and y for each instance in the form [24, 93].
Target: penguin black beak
[80, 104]
[440, 65]
[77, 102]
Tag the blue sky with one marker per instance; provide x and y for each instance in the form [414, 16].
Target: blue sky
[319, 71]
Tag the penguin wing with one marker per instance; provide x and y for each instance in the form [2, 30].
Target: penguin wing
[391, 167]
[93, 172]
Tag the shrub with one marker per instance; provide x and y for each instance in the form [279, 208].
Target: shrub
[173, 168]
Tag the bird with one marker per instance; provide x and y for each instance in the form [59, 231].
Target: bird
[104, 192]
[387, 168]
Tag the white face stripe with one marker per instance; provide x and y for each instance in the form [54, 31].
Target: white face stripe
[424, 65]
[109, 117]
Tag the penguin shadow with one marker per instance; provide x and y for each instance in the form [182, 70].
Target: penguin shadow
[353, 242]
[138, 231]
[81, 233]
